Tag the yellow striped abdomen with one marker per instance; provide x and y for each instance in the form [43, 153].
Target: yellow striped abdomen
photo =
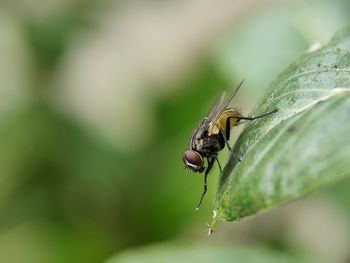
[221, 121]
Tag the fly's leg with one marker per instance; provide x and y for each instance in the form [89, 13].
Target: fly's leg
[217, 160]
[226, 141]
[229, 147]
[236, 156]
[240, 123]
[210, 166]
[255, 117]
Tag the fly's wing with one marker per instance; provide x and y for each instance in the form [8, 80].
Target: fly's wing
[212, 114]
[221, 105]
[217, 108]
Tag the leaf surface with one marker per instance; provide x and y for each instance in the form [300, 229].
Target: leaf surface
[302, 147]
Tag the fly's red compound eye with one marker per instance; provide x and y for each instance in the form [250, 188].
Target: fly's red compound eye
[193, 160]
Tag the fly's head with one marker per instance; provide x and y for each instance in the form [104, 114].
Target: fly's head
[193, 161]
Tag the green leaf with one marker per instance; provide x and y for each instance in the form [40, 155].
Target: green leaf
[302, 147]
[202, 253]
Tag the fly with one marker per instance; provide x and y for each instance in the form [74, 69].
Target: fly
[212, 135]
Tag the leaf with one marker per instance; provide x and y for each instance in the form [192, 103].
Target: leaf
[302, 147]
[202, 253]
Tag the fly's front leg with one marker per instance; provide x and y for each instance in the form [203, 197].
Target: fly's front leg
[210, 166]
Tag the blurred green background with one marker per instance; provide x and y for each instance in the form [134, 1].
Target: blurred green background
[98, 100]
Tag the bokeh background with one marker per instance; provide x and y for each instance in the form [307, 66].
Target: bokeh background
[98, 100]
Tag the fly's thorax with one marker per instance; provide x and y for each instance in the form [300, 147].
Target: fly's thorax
[204, 143]
[208, 146]
[198, 137]
[199, 134]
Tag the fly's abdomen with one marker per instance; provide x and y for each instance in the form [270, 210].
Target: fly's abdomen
[224, 122]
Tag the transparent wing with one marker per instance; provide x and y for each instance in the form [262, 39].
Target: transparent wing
[217, 108]
[221, 104]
